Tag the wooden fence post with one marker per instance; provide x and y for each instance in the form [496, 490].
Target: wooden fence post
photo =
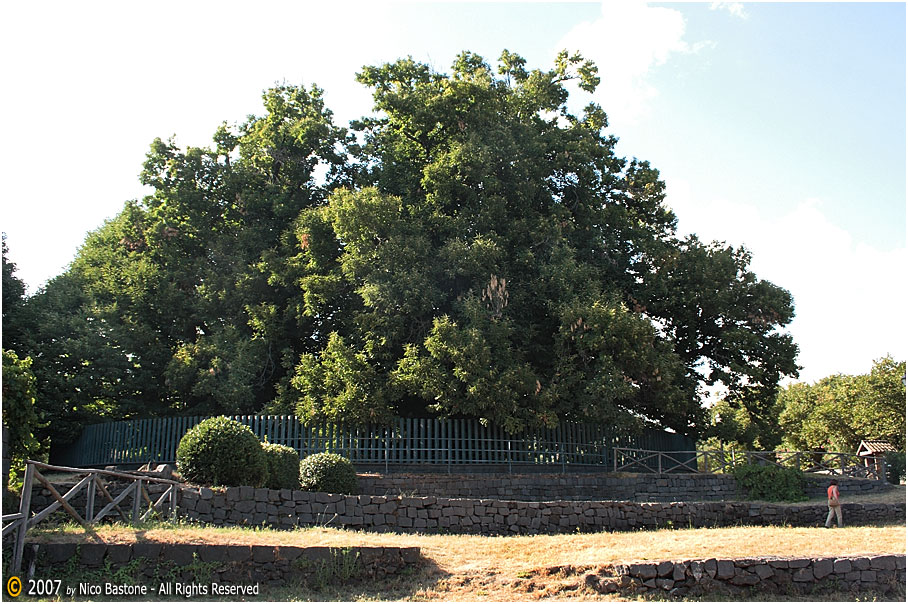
[137, 501]
[90, 500]
[24, 509]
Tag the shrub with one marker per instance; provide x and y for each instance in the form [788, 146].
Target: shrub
[221, 451]
[328, 473]
[895, 466]
[283, 466]
[770, 482]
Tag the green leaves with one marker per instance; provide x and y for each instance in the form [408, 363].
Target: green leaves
[840, 411]
[20, 414]
[474, 250]
[339, 385]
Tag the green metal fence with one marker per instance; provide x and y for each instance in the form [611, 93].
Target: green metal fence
[418, 441]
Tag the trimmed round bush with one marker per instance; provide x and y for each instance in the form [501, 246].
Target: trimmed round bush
[223, 452]
[283, 466]
[328, 473]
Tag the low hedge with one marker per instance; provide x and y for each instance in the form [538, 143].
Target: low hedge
[220, 451]
[283, 466]
[770, 482]
[328, 473]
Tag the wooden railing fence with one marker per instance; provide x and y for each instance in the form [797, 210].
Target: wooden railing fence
[94, 484]
[627, 459]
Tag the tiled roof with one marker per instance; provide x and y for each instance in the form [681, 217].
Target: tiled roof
[874, 446]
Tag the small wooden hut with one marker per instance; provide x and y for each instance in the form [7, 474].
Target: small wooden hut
[873, 452]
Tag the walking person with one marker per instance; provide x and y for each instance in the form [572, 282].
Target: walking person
[835, 506]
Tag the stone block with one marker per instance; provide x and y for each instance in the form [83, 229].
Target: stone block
[882, 563]
[247, 492]
[803, 575]
[391, 507]
[239, 553]
[205, 493]
[147, 551]
[664, 569]
[798, 563]
[212, 553]
[92, 554]
[764, 571]
[232, 493]
[725, 569]
[643, 570]
[119, 553]
[261, 495]
[841, 566]
[665, 584]
[743, 577]
[860, 563]
[679, 571]
[56, 553]
[263, 553]
[868, 576]
[182, 554]
[287, 552]
[822, 567]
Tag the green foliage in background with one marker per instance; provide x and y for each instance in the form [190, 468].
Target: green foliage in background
[474, 249]
[20, 415]
[283, 466]
[840, 411]
[328, 473]
[770, 482]
[895, 467]
[223, 452]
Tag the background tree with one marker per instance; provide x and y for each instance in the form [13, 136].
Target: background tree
[20, 417]
[475, 249]
[840, 411]
[185, 302]
[14, 313]
[498, 260]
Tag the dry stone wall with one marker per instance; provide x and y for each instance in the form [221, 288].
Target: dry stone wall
[587, 487]
[204, 566]
[516, 504]
[239, 506]
[882, 574]
[551, 487]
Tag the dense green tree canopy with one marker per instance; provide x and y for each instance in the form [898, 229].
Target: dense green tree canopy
[840, 411]
[472, 249]
[496, 259]
[20, 414]
[14, 314]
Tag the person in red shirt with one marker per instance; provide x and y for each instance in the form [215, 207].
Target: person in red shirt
[835, 506]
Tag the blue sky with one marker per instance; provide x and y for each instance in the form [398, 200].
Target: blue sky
[777, 126]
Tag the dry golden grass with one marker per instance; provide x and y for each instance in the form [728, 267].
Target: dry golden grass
[476, 568]
[464, 552]
[472, 568]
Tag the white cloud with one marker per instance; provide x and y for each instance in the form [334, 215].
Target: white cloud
[848, 296]
[735, 9]
[626, 43]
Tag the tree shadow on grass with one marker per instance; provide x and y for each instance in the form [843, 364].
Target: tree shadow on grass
[417, 581]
